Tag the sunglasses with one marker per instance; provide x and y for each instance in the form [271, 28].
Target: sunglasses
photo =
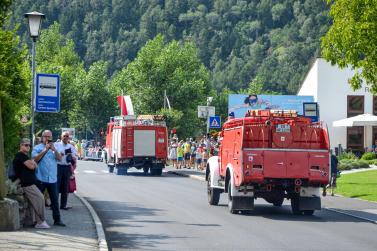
[66, 136]
[27, 145]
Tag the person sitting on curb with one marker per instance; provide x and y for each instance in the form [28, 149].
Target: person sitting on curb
[25, 169]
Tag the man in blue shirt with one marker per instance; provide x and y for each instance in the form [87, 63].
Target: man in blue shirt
[46, 156]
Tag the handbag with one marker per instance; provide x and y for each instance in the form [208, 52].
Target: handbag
[72, 181]
[72, 184]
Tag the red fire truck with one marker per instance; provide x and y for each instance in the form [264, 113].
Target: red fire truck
[137, 142]
[271, 155]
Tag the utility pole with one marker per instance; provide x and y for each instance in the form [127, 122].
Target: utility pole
[3, 189]
[164, 99]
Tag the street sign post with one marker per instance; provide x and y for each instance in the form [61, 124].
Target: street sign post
[215, 122]
[47, 93]
[205, 112]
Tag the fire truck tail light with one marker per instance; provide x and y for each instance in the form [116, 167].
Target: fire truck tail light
[257, 166]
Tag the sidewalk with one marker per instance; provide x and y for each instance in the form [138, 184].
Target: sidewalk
[79, 234]
[350, 206]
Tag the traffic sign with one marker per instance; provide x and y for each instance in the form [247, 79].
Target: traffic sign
[47, 93]
[215, 122]
[206, 111]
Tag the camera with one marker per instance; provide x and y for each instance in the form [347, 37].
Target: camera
[68, 153]
[49, 141]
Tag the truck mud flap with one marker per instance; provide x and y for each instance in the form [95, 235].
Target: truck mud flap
[310, 203]
[243, 203]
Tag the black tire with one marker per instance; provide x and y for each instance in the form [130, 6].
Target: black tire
[308, 212]
[278, 202]
[159, 171]
[213, 193]
[295, 202]
[145, 170]
[156, 171]
[111, 169]
[230, 199]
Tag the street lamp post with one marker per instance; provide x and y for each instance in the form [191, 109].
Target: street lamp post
[34, 24]
[209, 100]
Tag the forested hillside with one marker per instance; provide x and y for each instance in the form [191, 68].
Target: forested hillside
[274, 40]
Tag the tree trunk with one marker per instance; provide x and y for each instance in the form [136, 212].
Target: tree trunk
[3, 191]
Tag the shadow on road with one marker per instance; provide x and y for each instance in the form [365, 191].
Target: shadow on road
[137, 173]
[118, 216]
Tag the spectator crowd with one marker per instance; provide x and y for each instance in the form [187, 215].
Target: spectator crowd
[192, 153]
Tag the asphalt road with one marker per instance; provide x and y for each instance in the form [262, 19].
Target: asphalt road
[172, 213]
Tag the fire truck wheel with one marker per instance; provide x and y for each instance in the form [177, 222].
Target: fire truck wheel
[278, 202]
[308, 212]
[111, 169]
[295, 202]
[230, 199]
[156, 171]
[213, 193]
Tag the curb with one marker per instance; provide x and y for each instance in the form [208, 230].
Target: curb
[195, 177]
[102, 243]
[349, 214]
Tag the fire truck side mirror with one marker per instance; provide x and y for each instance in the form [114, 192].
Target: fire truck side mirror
[267, 123]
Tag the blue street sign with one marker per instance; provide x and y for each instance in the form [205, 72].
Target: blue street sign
[47, 93]
[311, 110]
[215, 122]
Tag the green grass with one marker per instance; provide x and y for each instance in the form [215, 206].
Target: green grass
[362, 185]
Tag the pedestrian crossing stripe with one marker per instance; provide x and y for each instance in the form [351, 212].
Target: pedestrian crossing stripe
[214, 122]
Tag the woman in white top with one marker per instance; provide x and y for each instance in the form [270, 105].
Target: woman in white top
[173, 152]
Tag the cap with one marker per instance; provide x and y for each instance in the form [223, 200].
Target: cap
[25, 141]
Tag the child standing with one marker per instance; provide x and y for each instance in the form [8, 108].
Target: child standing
[204, 157]
[198, 157]
[180, 152]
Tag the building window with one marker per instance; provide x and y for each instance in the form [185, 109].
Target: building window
[355, 135]
[374, 113]
[355, 105]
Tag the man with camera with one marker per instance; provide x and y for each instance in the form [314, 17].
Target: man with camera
[46, 156]
[68, 153]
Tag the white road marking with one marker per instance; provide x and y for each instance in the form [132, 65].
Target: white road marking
[89, 171]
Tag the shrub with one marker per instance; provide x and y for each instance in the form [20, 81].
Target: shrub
[368, 156]
[372, 162]
[347, 155]
[348, 164]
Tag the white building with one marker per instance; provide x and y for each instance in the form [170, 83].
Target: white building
[329, 86]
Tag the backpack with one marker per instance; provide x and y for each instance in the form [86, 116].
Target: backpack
[11, 172]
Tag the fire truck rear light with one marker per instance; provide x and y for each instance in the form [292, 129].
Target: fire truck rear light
[257, 166]
[298, 182]
[314, 167]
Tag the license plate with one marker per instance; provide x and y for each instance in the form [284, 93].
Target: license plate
[283, 128]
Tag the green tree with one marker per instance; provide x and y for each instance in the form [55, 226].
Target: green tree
[95, 104]
[56, 54]
[14, 92]
[172, 67]
[14, 89]
[352, 40]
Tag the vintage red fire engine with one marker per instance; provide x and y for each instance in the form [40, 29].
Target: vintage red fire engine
[271, 155]
[137, 142]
